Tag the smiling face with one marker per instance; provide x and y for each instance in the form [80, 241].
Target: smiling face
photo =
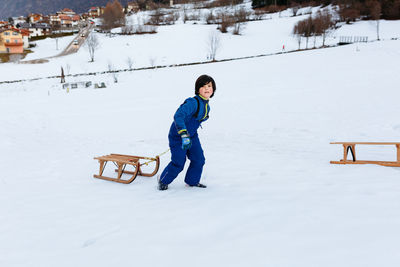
[206, 90]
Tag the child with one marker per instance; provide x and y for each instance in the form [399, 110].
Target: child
[183, 139]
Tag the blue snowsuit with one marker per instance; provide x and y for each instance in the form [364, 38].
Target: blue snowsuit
[188, 117]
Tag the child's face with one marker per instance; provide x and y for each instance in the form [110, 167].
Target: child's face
[206, 90]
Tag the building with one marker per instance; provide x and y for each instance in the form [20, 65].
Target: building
[55, 21]
[25, 37]
[133, 7]
[69, 21]
[18, 20]
[35, 29]
[66, 11]
[4, 24]
[95, 12]
[34, 18]
[11, 41]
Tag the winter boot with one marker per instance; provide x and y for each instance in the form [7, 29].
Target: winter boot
[199, 185]
[161, 186]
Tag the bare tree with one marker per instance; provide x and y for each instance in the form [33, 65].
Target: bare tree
[185, 15]
[92, 44]
[213, 45]
[304, 28]
[67, 68]
[129, 61]
[153, 61]
[240, 18]
[297, 33]
[226, 21]
[113, 72]
[323, 25]
[375, 9]
[295, 9]
[210, 18]
[113, 16]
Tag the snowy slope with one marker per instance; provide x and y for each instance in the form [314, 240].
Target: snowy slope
[183, 43]
[273, 198]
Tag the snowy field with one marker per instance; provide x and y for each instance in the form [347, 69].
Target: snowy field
[183, 43]
[272, 199]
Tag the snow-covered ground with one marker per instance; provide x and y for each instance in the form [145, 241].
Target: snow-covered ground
[272, 199]
[49, 47]
[183, 43]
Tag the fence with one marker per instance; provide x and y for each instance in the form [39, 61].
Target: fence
[352, 39]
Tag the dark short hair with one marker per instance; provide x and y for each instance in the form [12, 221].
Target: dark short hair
[203, 80]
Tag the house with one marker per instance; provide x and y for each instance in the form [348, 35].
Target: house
[133, 7]
[69, 21]
[18, 20]
[11, 41]
[55, 21]
[34, 18]
[4, 24]
[25, 37]
[95, 12]
[35, 29]
[66, 11]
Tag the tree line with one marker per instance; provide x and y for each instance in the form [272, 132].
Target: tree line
[349, 10]
[320, 25]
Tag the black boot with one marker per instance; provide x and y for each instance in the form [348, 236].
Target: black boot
[162, 186]
[199, 185]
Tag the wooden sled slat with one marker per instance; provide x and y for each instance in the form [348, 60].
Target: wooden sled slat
[121, 161]
[382, 163]
[351, 146]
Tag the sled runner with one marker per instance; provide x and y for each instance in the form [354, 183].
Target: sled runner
[121, 162]
[351, 146]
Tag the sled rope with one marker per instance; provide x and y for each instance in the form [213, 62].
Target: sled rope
[146, 163]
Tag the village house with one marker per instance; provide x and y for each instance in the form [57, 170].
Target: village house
[18, 20]
[11, 41]
[69, 21]
[25, 37]
[35, 29]
[66, 11]
[34, 18]
[55, 21]
[133, 7]
[4, 24]
[95, 12]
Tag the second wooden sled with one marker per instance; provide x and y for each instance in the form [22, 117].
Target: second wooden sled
[121, 161]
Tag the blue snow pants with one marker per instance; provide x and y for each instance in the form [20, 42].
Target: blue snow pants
[178, 158]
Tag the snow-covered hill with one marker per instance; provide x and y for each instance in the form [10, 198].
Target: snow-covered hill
[183, 43]
[272, 199]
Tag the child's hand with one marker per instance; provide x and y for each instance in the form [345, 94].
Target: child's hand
[186, 142]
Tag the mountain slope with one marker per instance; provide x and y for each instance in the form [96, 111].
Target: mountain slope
[11, 8]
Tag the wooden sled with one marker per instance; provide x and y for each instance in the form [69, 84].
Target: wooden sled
[121, 161]
[351, 146]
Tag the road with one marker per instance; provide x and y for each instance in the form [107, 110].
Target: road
[72, 47]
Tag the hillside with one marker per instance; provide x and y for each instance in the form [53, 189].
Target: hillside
[12, 8]
[273, 199]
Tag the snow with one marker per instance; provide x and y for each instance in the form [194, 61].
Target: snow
[48, 47]
[272, 199]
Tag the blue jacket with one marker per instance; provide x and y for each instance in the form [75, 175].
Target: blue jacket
[185, 117]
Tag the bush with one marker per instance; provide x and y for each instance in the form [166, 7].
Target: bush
[210, 18]
[226, 21]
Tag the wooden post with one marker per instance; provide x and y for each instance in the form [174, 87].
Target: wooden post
[62, 75]
[119, 170]
[398, 152]
[101, 167]
[354, 152]
[345, 152]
